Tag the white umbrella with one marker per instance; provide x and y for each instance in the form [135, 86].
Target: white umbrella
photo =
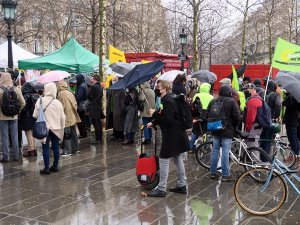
[170, 75]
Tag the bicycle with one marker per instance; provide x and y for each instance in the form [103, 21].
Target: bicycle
[285, 153]
[267, 193]
[240, 153]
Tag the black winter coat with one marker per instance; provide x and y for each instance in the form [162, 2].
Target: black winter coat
[174, 139]
[95, 96]
[290, 116]
[232, 113]
[30, 97]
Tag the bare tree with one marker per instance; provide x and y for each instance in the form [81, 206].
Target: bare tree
[243, 6]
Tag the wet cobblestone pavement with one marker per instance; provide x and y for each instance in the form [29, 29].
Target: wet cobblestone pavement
[99, 186]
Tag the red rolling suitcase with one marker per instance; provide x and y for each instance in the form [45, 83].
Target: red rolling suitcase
[147, 166]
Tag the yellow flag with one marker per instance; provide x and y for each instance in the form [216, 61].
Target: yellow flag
[235, 80]
[116, 55]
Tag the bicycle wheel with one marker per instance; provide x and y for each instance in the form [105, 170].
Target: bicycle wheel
[203, 154]
[256, 199]
[254, 156]
[286, 156]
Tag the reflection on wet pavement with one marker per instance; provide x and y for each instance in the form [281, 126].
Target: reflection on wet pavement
[99, 186]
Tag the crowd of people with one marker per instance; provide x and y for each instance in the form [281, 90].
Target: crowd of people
[154, 103]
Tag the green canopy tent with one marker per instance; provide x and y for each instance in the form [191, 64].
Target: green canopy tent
[72, 58]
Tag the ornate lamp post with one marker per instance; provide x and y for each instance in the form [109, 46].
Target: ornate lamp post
[183, 42]
[9, 9]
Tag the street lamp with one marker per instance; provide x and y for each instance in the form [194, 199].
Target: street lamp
[9, 9]
[183, 42]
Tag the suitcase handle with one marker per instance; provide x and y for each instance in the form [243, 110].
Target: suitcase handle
[155, 138]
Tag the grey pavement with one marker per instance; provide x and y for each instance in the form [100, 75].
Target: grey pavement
[99, 186]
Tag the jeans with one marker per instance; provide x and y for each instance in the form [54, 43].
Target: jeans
[219, 141]
[55, 146]
[98, 129]
[293, 138]
[192, 141]
[164, 172]
[147, 131]
[6, 127]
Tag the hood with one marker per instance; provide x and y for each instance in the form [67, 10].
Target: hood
[50, 90]
[225, 91]
[271, 87]
[204, 88]
[80, 79]
[145, 85]
[257, 82]
[28, 88]
[62, 85]
[5, 80]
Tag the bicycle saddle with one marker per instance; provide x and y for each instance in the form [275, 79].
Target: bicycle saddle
[243, 135]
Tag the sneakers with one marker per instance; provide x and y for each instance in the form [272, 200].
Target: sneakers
[53, 169]
[157, 193]
[227, 179]
[146, 142]
[4, 161]
[180, 190]
[213, 176]
[44, 172]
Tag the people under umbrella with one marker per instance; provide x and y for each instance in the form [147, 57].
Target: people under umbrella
[74, 115]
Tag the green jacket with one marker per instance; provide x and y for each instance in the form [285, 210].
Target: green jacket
[203, 95]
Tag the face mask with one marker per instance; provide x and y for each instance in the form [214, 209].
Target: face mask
[157, 92]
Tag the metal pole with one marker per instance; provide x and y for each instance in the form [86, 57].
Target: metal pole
[9, 46]
[182, 61]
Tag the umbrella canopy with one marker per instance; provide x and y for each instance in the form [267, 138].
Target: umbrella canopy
[121, 68]
[37, 85]
[138, 75]
[240, 71]
[88, 80]
[72, 57]
[170, 75]
[205, 76]
[290, 83]
[52, 76]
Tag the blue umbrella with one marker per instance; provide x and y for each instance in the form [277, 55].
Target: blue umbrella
[139, 74]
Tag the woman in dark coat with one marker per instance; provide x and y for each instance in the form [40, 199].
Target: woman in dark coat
[95, 95]
[131, 116]
[81, 96]
[27, 121]
[174, 141]
[179, 85]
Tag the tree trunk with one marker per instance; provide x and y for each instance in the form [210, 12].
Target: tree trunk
[102, 38]
[244, 31]
[195, 33]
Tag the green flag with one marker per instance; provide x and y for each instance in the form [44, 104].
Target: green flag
[235, 80]
[286, 56]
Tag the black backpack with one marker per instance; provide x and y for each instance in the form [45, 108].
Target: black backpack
[264, 114]
[216, 119]
[185, 113]
[10, 104]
